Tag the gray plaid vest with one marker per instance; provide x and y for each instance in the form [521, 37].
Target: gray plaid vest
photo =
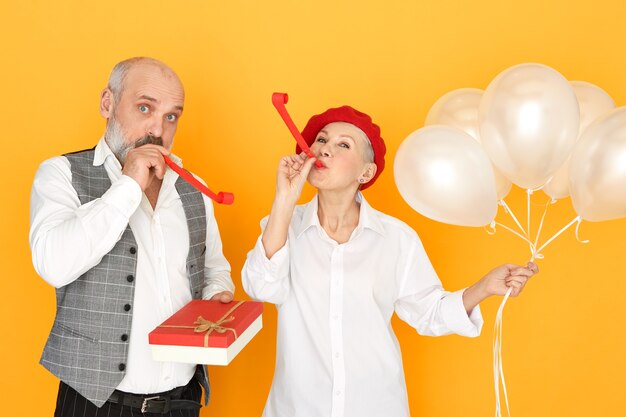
[85, 348]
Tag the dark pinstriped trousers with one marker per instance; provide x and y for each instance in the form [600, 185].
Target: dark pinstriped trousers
[71, 404]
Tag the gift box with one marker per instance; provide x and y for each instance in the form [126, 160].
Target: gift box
[206, 332]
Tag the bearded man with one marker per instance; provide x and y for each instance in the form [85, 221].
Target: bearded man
[126, 243]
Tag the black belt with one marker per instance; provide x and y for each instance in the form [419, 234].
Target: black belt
[154, 403]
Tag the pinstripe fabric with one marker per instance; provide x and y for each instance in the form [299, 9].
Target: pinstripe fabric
[84, 348]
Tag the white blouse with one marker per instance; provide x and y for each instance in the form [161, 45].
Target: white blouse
[337, 354]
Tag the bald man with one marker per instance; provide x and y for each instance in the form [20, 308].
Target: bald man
[126, 243]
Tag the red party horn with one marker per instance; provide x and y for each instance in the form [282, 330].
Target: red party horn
[279, 100]
[221, 197]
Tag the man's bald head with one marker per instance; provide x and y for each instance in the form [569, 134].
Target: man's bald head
[121, 70]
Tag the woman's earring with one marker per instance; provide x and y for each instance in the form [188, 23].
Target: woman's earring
[361, 180]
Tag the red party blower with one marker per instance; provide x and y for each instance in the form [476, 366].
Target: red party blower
[221, 197]
[279, 100]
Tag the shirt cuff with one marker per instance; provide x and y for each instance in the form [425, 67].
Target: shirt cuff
[275, 268]
[124, 195]
[210, 291]
[217, 284]
[457, 319]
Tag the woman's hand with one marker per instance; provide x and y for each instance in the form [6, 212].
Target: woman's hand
[293, 171]
[498, 281]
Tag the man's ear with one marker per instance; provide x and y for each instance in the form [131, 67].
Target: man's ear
[106, 103]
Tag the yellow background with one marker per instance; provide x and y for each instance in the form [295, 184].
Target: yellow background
[564, 342]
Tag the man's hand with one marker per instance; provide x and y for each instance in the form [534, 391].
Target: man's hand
[224, 297]
[144, 163]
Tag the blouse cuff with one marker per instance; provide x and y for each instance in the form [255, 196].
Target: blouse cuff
[273, 268]
[457, 319]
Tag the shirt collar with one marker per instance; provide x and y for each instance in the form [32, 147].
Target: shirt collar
[368, 217]
[102, 152]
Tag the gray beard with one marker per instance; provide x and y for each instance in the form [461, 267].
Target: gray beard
[118, 143]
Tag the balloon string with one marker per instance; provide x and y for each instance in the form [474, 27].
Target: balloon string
[524, 238]
[510, 212]
[529, 192]
[578, 227]
[543, 217]
[575, 220]
[498, 370]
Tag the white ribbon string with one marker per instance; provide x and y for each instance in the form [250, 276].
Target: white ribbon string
[536, 254]
[510, 212]
[529, 193]
[577, 219]
[578, 227]
[524, 238]
[498, 371]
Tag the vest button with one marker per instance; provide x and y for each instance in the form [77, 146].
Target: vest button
[133, 250]
[124, 337]
[130, 278]
[121, 366]
[127, 307]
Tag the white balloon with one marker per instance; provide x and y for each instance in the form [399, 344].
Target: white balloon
[593, 102]
[558, 186]
[528, 121]
[459, 108]
[597, 172]
[444, 174]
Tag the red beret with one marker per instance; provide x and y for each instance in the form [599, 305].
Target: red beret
[349, 115]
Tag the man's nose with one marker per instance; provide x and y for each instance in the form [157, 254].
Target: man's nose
[155, 127]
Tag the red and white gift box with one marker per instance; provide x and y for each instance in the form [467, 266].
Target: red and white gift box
[206, 332]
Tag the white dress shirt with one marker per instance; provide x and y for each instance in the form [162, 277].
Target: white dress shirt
[337, 355]
[68, 238]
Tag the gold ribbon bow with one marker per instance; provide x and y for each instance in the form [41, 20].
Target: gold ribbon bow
[207, 326]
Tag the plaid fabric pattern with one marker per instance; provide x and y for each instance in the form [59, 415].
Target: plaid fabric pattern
[84, 348]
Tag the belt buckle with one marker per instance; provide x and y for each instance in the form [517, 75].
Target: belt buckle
[144, 405]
